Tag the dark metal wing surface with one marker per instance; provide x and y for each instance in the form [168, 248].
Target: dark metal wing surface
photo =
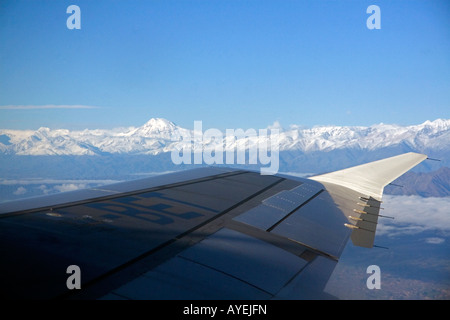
[207, 233]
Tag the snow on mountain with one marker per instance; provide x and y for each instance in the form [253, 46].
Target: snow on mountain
[151, 138]
[160, 135]
[430, 134]
[155, 128]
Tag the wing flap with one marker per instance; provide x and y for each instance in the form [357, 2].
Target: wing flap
[274, 209]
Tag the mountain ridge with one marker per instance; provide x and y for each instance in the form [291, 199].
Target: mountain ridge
[124, 153]
[431, 184]
[160, 135]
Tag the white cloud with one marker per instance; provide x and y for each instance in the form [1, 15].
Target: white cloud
[434, 240]
[20, 191]
[44, 189]
[414, 214]
[69, 187]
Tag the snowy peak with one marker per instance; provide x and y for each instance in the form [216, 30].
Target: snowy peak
[160, 135]
[438, 123]
[324, 138]
[159, 123]
[155, 127]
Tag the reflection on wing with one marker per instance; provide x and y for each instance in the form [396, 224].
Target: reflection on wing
[201, 234]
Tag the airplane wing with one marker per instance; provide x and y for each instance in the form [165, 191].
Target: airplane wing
[206, 233]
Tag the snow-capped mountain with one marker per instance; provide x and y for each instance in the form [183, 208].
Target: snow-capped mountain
[160, 135]
[151, 138]
[127, 153]
[434, 134]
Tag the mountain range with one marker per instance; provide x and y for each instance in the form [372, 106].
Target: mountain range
[127, 153]
[160, 135]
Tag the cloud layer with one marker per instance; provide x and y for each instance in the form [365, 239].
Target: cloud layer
[414, 214]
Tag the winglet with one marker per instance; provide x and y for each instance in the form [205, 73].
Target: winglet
[371, 178]
[367, 180]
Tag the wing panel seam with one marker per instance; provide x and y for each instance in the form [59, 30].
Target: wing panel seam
[290, 213]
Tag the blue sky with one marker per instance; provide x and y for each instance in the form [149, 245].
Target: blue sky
[231, 64]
